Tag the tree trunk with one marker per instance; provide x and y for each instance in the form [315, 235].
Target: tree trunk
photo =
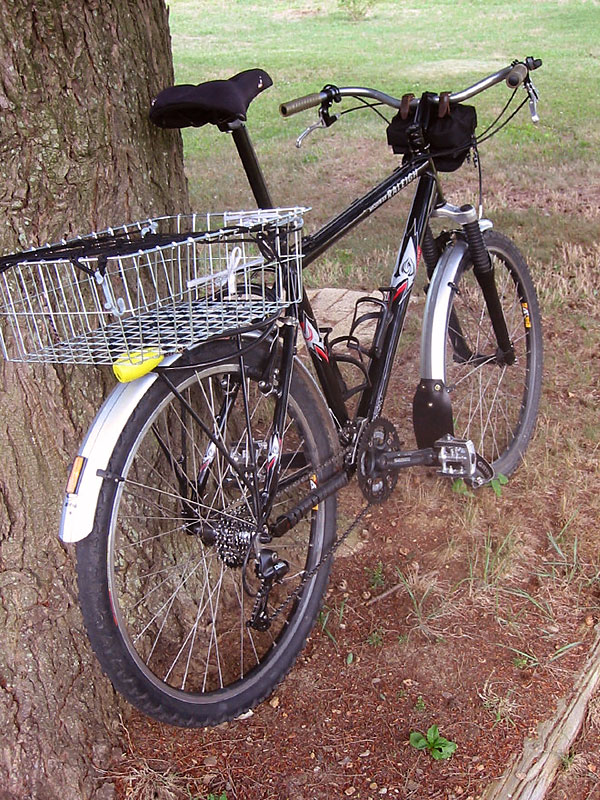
[77, 154]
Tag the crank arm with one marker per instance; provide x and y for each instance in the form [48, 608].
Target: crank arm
[456, 458]
[403, 459]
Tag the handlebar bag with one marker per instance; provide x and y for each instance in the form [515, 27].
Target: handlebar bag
[449, 137]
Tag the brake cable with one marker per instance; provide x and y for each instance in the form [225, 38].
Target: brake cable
[488, 133]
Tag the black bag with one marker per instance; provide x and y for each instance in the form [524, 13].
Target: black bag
[449, 137]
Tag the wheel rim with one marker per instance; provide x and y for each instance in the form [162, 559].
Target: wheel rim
[177, 597]
[489, 399]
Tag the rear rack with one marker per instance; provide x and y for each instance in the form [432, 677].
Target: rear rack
[162, 285]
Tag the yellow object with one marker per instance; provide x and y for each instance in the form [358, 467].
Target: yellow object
[137, 363]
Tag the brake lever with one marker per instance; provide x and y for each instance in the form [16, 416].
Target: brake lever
[309, 130]
[325, 121]
[533, 100]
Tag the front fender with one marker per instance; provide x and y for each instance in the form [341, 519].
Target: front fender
[437, 311]
[79, 506]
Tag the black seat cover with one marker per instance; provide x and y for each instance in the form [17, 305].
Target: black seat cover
[217, 102]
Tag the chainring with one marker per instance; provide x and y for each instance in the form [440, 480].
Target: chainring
[377, 438]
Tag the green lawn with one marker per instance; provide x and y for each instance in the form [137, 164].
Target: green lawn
[401, 46]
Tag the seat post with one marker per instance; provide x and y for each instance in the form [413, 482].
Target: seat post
[251, 166]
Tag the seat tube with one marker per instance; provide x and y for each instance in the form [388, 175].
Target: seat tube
[252, 168]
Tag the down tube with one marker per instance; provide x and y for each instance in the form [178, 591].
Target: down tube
[402, 282]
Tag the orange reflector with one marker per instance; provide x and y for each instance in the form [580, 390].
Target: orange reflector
[75, 476]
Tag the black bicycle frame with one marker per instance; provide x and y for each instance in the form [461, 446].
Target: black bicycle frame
[428, 190]
[396, 296]
[401, 283]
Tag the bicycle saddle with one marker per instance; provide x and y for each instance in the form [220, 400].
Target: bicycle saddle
[217, 102]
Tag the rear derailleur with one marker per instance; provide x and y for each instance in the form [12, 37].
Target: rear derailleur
[270, 569]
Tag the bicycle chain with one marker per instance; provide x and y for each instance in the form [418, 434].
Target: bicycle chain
[338, 457]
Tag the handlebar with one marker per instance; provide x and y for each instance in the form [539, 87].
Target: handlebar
[514, 74]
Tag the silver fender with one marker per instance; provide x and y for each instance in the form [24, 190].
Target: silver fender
[79, 507]
[437, 310]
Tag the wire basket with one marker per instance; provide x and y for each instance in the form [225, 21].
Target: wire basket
[162, 284]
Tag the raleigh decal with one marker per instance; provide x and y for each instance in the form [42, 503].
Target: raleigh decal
[393, 190]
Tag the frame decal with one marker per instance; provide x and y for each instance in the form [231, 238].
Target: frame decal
[313, 339]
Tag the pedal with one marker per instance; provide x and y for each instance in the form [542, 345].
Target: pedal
[458, 458]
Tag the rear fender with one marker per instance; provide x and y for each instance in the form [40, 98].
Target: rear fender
[79, 506]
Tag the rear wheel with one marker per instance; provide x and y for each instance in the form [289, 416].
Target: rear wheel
[164, 587]
[495, 404]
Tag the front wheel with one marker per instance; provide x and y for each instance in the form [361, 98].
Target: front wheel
[165, 581]
[495, 404]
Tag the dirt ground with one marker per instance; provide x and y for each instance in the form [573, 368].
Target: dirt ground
[474, 614]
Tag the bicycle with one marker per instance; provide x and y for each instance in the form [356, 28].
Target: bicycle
[203, 499]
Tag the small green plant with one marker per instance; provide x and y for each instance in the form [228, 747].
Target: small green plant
[323, 619]
[437, 746]
[566, 761]
[497, 483]
[356, 9]
[376, 577]
[222, 796]
[460, 487]
[375, 638]
[420, 704]
[524, 660]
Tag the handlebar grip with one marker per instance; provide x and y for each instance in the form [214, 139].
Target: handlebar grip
[302, 103]
[516, 76]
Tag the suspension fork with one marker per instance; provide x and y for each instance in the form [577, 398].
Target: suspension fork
[483, 269]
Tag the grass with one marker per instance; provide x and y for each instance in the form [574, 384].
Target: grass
[304, 44]
[489, 560]
[502, 706]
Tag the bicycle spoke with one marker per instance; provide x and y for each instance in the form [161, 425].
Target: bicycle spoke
[178, 553]
[488, 396]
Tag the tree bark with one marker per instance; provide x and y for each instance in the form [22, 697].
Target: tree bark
[77, 154]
